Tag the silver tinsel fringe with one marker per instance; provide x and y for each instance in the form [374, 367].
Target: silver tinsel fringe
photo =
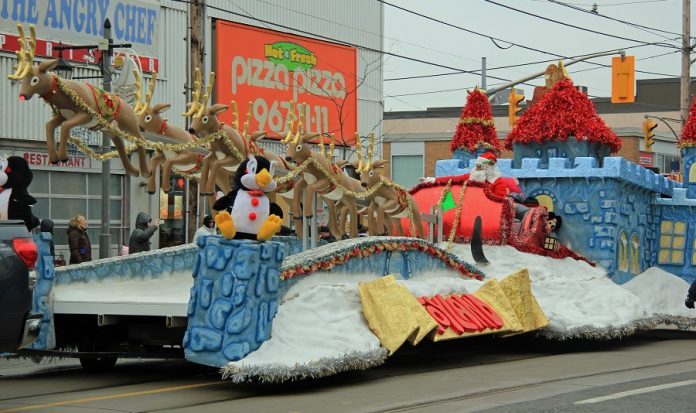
[616, 332]
[320, 368]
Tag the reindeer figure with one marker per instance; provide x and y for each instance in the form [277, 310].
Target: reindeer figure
[39, 80]
[151, 120]
[389, 202]
[206, 122]
[315, 181]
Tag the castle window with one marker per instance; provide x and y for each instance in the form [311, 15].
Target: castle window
[672, 242]
[623, 251]
[635, 254]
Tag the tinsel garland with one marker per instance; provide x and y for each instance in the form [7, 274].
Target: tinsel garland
[457, 216]
[687, 138]
[84, 148]
[561, 113]
[375, 245]
[443, 194]
[478, 121]
[139, 141]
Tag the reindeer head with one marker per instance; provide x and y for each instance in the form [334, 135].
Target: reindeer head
[35, 79]
[298, 148]
[149, 118]
[369, 172]
[205, 121]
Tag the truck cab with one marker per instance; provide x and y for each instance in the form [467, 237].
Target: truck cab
[18, 255]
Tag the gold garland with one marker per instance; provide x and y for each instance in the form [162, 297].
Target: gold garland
[139, 141]
[477, 120]
[457, 215]
[82, 147]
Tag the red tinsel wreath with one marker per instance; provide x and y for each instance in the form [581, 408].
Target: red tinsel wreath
[475, 125]
[687, 139]
[562, 112]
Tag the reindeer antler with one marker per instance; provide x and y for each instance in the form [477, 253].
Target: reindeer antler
[247, 122]
[206, 97]
[25, 54]
[300, 123]
[195, 95]
[148, 98]
[370, 151]
[235, 115]
[138, 92]
[331, 146]
[290, 123]
[358, 146]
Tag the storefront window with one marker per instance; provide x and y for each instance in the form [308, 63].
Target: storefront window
[171, 214]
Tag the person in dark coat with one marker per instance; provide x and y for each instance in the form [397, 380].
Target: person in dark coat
[691, 296]
[47, 226]
[140, 237]
[78, 240]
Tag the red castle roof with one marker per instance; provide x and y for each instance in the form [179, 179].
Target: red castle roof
[475, 127]
[562, 112]
[687, 139]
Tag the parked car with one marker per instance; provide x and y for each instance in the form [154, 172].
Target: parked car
[18, 255]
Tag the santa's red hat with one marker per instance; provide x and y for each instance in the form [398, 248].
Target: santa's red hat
[488, 156]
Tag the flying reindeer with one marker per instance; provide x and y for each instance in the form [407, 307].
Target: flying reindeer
[389, 202]
[314, 181]
[223, 154]
[150, 119]
[67, 114]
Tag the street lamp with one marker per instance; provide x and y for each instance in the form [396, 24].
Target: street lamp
[63, 69]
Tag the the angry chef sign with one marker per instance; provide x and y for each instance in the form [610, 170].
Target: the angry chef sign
[81, 21]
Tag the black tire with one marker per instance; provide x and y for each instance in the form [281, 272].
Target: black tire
[96, 342]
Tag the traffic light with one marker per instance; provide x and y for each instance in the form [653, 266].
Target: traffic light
[514, 99]
[623, 79]
[648, 134]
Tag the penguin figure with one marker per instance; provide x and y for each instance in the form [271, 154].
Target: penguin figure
[247, 213]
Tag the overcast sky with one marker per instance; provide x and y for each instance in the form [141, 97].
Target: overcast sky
[417, 37]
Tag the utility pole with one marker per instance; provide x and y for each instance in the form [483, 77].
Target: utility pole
[105, 46]
[686, 61]
[196, 43]
[483, 73]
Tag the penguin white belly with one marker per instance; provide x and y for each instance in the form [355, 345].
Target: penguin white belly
[5, 203]
[247, 216]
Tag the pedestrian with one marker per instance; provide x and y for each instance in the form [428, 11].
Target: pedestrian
[47, 226]
[208, 228]
[144, 230]
[78, 240]
[691, 296]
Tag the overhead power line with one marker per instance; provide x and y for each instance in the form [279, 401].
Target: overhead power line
[576, 27]
[636, 25]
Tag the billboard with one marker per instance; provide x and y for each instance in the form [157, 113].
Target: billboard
[81, 22]
[271, 69]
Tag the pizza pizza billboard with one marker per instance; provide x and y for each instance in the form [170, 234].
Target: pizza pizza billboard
[272, 69]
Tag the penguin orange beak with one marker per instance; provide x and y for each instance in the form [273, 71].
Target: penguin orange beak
[263, 178]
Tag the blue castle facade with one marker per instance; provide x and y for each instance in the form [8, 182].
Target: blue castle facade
[618, 214]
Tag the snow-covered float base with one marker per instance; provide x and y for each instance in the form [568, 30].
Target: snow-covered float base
[320, 330]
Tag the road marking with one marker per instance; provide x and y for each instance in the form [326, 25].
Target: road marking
[111, 396]
[637, 391]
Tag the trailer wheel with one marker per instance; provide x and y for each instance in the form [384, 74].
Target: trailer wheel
[96, 364]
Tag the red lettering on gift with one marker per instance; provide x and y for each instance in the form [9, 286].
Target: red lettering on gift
[461, 313]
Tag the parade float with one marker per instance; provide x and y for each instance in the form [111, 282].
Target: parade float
[265, 309]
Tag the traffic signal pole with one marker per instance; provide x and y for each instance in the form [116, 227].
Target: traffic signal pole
[497, 89]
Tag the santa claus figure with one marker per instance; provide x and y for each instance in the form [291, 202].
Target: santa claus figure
[486, 171]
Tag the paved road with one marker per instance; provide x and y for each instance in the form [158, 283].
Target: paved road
[648, 373]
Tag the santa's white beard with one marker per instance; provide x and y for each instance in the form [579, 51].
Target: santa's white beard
[492, 174]
[477, 175]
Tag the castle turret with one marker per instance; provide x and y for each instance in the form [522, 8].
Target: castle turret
[475, 132]
[563, 124]
[687, 144]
